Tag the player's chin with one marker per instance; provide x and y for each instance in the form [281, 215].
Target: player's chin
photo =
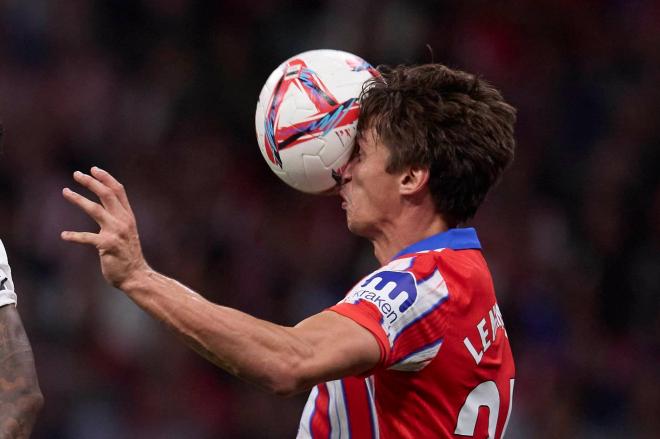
[355, 226]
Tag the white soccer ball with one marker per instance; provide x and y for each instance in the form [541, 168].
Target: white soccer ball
[307, 115]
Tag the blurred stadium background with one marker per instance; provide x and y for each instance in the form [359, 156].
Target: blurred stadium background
[162, 93]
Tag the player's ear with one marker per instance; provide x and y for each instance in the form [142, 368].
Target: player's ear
[413, 180]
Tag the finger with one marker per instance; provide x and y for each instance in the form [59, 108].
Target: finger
[106, 178]
[94, 210]
[105, 194]
[81, 237]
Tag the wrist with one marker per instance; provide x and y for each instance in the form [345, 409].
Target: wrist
[136, 279]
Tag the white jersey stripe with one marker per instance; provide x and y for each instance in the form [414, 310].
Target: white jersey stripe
[420, 317]
[332, 410]
[339, 418]
[305, 429]
[432, 293]
[342, 410]
[402, 264]
[337, 411]
[371, 394]
[418, 360]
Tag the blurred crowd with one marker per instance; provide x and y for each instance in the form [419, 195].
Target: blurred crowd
[162, 93]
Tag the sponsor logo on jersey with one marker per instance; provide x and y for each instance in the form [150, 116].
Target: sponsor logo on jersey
[393, 292]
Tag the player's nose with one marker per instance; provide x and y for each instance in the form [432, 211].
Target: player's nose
[347, 171]
[343, 174]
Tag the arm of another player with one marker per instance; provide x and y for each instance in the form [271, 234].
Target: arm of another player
[20, 396]
[285, 360]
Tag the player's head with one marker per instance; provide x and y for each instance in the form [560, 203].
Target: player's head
[451, 123]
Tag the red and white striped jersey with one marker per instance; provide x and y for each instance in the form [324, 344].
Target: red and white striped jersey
[446, 368]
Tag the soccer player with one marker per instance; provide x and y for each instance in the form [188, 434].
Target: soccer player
[20, 396]
[416, 349]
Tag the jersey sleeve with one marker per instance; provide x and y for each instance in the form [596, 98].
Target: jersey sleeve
[7, 294]
[401, 304]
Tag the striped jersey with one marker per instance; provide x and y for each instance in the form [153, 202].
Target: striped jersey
[446, 368]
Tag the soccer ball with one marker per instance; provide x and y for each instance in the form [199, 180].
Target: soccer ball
[307, 115]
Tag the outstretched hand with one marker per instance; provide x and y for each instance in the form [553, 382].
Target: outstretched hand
[117, 242]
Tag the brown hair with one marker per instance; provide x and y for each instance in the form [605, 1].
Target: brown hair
[451, 122]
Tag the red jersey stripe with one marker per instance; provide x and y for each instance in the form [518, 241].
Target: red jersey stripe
[356, 398]
[319, 424]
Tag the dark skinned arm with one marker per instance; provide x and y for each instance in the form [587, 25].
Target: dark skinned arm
[20, 396]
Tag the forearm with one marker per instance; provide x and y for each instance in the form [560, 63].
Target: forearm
[284, 360]
[258, 351]
[20, 396]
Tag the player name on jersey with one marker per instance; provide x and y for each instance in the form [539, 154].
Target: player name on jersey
[496, 322]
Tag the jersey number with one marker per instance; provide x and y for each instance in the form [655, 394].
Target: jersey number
[485, 394]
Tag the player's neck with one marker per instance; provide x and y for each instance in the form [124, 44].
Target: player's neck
[407, 229]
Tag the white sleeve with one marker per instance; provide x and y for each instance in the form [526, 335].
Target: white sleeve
[7, 294]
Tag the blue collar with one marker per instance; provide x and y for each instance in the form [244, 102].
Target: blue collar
[455, 239]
